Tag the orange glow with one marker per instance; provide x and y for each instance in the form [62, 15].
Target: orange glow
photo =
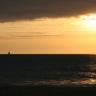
[48, 36]
[90, 21]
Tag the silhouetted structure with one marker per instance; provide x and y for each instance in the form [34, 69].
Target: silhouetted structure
[9, 53]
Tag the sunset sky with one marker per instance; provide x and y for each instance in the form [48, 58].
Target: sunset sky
[48, 26]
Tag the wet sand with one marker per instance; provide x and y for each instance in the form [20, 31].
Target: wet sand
[46, 91]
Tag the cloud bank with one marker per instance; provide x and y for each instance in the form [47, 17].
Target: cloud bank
[13, 10]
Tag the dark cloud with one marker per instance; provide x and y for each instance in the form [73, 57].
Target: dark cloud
[12, 10]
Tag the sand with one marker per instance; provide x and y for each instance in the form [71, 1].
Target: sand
[46, 91]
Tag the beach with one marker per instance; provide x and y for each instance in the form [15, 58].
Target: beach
[46, 91]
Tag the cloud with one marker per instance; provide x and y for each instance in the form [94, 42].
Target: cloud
[28, 35]
[31, 37]
[13, 10]
[1, 37]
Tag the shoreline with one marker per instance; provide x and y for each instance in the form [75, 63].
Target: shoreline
[46, 91]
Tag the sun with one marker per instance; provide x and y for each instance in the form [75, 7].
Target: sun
[89, 21]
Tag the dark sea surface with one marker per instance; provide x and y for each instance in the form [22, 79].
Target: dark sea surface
[48, 70]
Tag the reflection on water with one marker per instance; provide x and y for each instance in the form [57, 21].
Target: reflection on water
[88, 74]
[92, 67]
[68, 82]
[65, 70]
[81, 82]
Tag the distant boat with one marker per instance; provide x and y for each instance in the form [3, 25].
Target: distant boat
[9, 53]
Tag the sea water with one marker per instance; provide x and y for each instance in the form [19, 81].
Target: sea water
[48, 69]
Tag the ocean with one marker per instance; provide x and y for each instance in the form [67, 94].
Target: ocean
[48, 70]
